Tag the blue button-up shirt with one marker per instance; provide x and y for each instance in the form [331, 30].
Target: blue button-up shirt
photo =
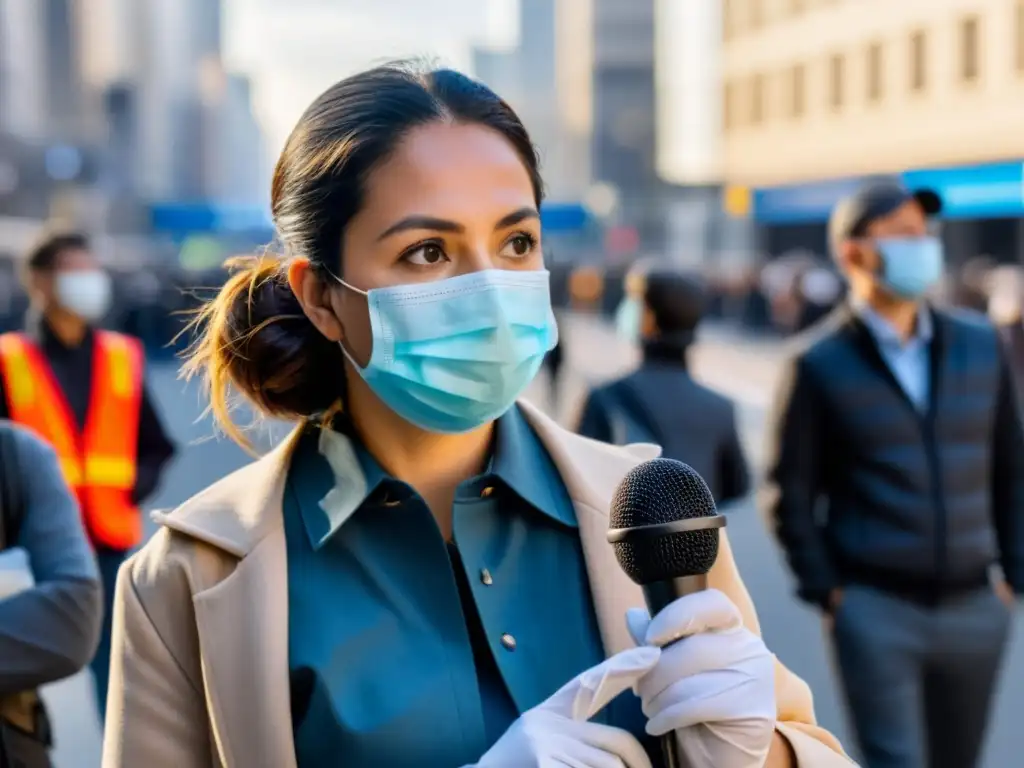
[908, 360]
[403, 655]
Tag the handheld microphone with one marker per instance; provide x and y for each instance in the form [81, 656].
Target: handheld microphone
[664, 530]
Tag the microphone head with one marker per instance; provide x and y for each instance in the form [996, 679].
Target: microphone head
[657, 492]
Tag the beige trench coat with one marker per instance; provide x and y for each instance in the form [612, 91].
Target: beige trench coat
[199, 675]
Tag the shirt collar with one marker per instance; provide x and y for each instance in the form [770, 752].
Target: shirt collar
[519, 461]
[39, 331]
[522, 463]
[886, 334]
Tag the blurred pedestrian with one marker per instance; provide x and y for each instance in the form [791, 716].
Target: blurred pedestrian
[971, 289]
[629, 313]
[51, 604]
[661, 403]
[1005, 306]
[82, 389]
[820, 290]
[896, 483]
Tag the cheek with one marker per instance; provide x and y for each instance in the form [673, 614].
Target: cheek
[352, 310]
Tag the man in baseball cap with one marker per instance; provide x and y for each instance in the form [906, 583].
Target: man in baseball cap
[900, 419]
[883, 241]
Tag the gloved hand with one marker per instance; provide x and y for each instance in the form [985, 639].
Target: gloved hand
[557, 734]
[715, 687]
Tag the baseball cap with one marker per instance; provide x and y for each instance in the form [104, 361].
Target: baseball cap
[853, 214]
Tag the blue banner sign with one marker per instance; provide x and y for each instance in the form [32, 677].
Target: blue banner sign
[212, 218]
[563, 217]
[967, 192]
[209, 218]
[974, 192]
[800, 203]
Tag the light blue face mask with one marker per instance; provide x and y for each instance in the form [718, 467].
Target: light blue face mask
[629, 318]
[452, 355]
[910, 266]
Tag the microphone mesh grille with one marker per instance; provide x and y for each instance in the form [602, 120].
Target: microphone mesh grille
[663, 491]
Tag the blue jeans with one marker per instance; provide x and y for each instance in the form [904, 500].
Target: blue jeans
[109, 561]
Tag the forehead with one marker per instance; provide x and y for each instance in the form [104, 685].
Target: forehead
[452, 170]
[75, 258]
[907, 217]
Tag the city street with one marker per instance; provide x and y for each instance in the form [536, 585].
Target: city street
[741, 367]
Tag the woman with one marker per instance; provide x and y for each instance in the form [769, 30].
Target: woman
[419, 575]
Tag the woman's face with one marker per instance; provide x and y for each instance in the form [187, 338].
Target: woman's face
[452, 199]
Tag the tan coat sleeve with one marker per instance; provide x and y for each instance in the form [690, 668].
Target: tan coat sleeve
[156, 708]
[814, 746]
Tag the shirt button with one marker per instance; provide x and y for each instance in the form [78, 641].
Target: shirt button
[486, 492]
[508, 641]
[485, 577]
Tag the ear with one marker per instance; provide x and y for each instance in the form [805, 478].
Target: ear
[648, 325]
[850, 256]
[315, 298]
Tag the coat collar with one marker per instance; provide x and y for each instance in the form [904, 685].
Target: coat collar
[238, 512]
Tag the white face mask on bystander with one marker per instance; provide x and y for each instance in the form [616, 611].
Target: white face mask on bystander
[86, 293]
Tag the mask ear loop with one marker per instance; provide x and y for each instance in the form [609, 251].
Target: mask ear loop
[341, 342]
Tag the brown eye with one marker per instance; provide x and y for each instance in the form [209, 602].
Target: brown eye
[426, 255]
[519, 246]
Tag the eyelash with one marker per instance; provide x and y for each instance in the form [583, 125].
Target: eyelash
[531, 240]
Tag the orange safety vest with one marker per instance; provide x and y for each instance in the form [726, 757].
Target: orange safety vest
[99, 462]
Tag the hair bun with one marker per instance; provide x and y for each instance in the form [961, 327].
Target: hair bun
[258, 340]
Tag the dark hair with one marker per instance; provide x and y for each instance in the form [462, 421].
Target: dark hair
[44, 255]
[677, 300]
[254, 334]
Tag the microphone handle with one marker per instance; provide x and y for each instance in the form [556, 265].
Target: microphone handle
[658, 595]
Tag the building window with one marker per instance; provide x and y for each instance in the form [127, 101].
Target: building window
[836, 80]
[1020, 37]
[969, 49]
[797, 90]
[755, 13]
[757, 114]
[918, 61]
[876, 72]
[729, 107]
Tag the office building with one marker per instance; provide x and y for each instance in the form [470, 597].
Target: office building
[818, 94]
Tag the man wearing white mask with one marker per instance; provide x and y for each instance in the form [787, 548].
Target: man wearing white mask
[896, 485]
[82, 390]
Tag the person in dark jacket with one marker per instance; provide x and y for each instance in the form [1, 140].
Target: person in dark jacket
[896, 482]
[51, 598]
[661, 403]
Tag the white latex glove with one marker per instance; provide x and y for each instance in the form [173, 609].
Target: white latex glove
[715, 687]
[557, 734]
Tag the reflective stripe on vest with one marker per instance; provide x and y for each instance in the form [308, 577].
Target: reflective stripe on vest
[98, 462]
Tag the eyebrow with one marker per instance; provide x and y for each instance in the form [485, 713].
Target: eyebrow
[446, 225]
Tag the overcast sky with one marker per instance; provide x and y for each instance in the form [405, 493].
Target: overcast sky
[294, 49]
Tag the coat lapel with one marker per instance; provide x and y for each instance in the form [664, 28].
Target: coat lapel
[591, 472]
[243, 639]
[242, 620]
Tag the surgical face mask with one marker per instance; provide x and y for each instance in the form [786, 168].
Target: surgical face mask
[453, 355]
[86, 293]
[910, 266]
[629, 319]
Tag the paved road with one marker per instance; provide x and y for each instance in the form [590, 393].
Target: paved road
[743, 368]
